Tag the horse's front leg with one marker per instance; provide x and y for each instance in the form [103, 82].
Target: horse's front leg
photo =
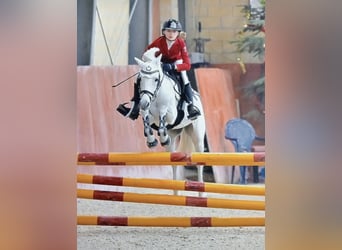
[162, 131]
[151, 141]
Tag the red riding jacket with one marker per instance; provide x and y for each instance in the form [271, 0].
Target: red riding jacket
[177, 51]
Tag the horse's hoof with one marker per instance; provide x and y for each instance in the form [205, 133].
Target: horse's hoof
[165, 143]
[152, 144]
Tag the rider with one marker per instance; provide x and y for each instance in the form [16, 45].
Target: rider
[175, 58]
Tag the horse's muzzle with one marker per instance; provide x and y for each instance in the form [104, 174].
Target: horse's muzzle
[145, 101]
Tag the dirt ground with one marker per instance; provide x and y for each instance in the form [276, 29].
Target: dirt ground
[108, 237]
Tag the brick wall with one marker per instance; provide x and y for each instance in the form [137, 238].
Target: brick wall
[221, 20]
[168, 9]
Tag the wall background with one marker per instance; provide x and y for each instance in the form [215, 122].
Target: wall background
[220, 20]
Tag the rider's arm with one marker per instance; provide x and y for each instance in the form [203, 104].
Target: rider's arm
[186, 64]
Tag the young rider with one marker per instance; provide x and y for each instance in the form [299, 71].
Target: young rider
[175, 58]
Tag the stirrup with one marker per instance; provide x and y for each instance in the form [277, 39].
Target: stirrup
[122, 109]
[193, 116]
[193, 112]
[132, 112]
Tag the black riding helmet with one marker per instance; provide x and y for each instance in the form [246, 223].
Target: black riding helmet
[172, 24]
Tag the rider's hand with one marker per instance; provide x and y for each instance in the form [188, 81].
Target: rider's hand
[168, 67]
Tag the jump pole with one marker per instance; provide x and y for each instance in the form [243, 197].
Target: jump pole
[172, 158]
[171, 221]
[171, 199]
[171, 184]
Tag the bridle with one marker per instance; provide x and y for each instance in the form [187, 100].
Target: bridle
[151, 95]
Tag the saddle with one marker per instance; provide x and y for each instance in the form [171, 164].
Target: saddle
[176, 77]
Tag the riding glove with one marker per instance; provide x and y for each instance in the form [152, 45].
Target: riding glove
[168, 67]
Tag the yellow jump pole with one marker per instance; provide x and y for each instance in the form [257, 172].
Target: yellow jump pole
[171, 221]
[172, 184]
[171, 200]
[173, 158]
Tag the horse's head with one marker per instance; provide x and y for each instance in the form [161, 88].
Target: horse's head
[150, 62]
[150, 55]
[150, 75]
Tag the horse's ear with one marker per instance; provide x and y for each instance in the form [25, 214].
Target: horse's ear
[140, 62]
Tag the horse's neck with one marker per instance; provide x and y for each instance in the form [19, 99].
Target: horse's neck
[168, 87]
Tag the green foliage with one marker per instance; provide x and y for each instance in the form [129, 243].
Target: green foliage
[251, 44]
[251, 39]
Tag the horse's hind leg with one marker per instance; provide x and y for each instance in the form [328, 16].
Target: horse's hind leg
[197, 134]
[148, 132]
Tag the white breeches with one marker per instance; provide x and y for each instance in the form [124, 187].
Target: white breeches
[183, 73]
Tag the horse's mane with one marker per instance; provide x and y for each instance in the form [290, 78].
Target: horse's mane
[150, 55]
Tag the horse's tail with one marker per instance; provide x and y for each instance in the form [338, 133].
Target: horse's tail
[185, 144]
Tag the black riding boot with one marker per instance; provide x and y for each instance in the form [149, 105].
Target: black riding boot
[192, 110]
[132, 112]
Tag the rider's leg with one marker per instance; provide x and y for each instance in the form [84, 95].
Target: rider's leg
[192, 109]
[132, 112]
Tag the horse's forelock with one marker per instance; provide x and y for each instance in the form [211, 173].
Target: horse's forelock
[149, 67]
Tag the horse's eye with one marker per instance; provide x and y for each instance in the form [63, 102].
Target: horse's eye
[156, 80]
